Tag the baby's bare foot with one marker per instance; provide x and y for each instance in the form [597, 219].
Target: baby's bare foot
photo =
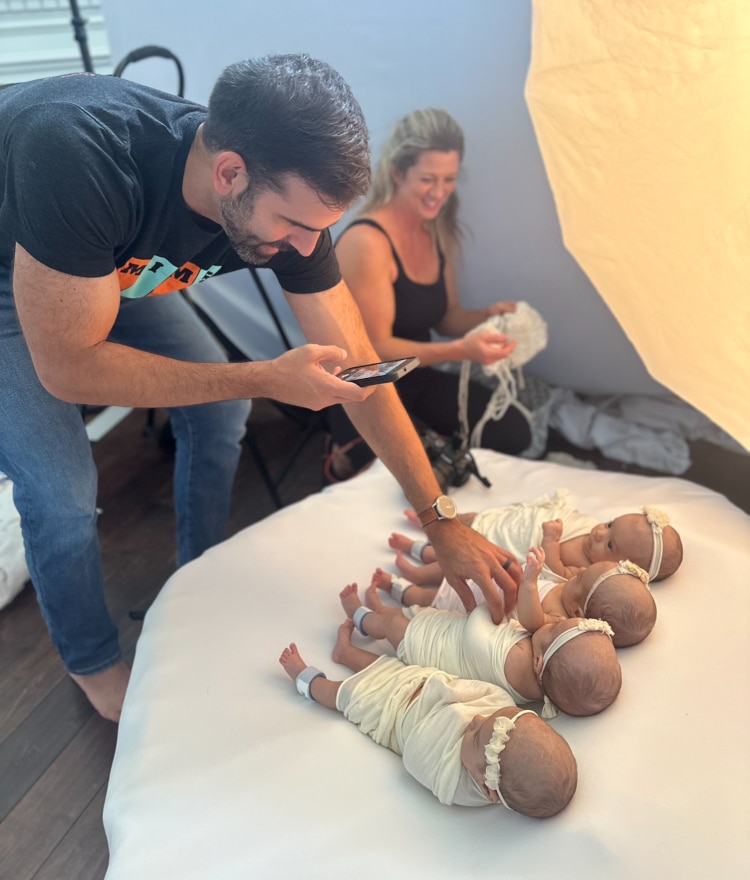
[397, 541]
[349, 599]
[372, 600]
[106, 690]
[421, 575]
[407, 568]
[412, 517]
[381, 580]
[292, 662]
[343, 642]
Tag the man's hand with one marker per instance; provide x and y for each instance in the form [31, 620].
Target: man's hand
[465, 555]
[307, 376]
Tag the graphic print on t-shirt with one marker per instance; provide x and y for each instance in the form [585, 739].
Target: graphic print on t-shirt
[139, 278]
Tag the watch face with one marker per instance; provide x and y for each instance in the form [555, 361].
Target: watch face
[445, 507]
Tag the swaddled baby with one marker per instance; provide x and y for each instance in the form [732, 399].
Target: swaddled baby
[464, 740]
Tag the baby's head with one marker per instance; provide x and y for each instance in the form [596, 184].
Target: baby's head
[577, 666]
[520, 761]
[618, 594]
[645, 538]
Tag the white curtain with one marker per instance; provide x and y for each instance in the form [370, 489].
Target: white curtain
[642, 113]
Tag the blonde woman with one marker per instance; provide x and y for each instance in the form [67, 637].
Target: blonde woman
[398, 258]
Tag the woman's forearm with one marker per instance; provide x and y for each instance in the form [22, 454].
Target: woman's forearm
[429, 353]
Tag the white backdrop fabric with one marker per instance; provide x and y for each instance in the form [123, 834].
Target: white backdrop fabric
[642, 113]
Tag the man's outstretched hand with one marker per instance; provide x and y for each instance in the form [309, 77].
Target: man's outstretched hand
[464, 555]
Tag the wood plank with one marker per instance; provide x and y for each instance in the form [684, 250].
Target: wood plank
[31, 666]
[28, 752]
[52, 806]
[83, 853]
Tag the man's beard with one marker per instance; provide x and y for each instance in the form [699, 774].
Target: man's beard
[236, 217]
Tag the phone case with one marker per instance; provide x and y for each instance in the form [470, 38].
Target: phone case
[379, 373]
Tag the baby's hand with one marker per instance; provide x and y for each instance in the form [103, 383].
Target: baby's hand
[534, 563]
[552, 530]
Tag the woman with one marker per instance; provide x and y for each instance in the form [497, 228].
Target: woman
[398, 258]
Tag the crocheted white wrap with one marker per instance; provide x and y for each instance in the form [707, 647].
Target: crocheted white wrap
[529, 331]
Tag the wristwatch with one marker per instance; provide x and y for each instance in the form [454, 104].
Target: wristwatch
[442, 508]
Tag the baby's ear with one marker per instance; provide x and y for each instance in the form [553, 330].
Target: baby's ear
[493, 796]
[578, 610]
[536, 663]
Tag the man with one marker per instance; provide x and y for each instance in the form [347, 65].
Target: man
[115, 196]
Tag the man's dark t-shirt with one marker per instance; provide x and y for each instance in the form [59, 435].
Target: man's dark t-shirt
[91, 172]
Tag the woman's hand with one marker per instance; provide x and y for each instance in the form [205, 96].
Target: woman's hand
[487, 346]
[500, 308]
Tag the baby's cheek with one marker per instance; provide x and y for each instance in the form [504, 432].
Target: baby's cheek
[602, 553]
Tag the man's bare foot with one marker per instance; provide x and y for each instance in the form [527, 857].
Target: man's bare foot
[106, 690]
[349, 599]
[291, 661]
[381, 580]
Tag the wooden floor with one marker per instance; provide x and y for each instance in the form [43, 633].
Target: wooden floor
[55, 753]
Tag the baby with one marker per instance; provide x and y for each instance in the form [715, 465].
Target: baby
[571, 541]
[615, 592]
[464, 740]
[571, 664]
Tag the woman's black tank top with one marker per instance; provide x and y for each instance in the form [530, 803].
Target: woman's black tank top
[418, 306]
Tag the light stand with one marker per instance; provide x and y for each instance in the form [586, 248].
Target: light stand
[79, 32]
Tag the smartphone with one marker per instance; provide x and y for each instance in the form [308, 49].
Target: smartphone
[377, 374]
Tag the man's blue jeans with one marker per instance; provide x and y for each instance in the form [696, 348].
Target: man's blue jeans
[45, 451]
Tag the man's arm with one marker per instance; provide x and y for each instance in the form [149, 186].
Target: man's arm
[333, 318]
[66, 321]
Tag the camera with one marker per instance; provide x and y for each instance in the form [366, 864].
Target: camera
[451, 458]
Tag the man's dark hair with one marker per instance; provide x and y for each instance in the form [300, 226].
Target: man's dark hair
[292, 114]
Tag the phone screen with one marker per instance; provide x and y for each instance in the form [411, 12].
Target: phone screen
[375, 374]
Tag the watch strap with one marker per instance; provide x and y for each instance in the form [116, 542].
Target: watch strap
[426, 517]
[434, 512]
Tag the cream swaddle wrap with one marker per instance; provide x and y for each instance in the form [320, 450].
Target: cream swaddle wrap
[470, 646]
[518, 527]
[426, 730]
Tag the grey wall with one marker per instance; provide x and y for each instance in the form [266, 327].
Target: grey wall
[470, 57]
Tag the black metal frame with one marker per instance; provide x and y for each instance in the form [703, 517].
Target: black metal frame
[79, 34]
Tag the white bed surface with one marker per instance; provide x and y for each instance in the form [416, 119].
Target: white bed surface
[223, 771]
